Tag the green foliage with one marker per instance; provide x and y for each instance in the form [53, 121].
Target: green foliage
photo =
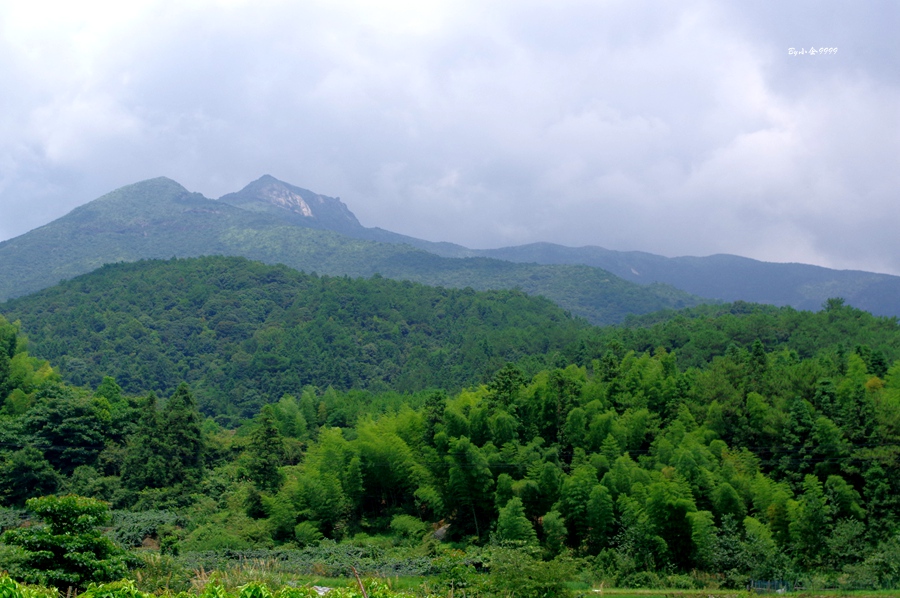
[881, 569]
[513, 528]
[68, 550]
[408, 529]
[813, 515]
[555, 534]
[130, 528]
[145, 459]
[71, 422]
[9, 588]
[116, 589]
[519, 574]
[469, 483]
[755, 462]
[164, 457]
[25, 474]
[266, 452]
[250, 333]
[307, 533]
[183, 439]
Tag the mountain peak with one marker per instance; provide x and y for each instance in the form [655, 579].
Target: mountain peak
[294, 204]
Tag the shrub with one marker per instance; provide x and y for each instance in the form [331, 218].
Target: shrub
[409, 529]
[68, 550]
[517, 573]
[10, 589]
[307, 534]
[116, 589]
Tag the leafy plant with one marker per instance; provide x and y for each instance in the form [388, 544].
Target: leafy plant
[68, 550]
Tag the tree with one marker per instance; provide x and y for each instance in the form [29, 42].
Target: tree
[810, 525]
[74, 425]
[668, 504]
[513, 527]
[600, 517]
[183, 439]
[68, 550]
[504, 491]
[469, 485]
[703, 538]
[504, 387]
[266, 452]
[435, 404]
[8, 341]
[726, 501]
[574, 501]
[166, 449]
[555, 533]
[25, 474]
[145, 462]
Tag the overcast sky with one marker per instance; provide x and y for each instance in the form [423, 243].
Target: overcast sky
[678, 128]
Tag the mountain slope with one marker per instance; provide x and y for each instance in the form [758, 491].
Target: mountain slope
[295, 205]
[276, 222]
[727, 277]
[152, 219]
[244, 333]
[160, 219]
[722, 277]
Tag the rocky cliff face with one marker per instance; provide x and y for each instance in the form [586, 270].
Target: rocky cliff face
[297, 206]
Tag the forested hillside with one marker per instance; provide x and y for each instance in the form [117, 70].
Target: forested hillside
[160, 219]
[722, 277]
[244, 333]
[699, 334]
[776, 455]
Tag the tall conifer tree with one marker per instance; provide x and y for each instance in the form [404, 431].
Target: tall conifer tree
[266, 452]
[183, 438]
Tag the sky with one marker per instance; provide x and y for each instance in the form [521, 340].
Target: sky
[678, 128]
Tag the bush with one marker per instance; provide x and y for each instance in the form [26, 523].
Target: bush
[880, 570]
[307, 534]
[641, 579]
[408, 529]
[116, 589]
[519, 574]
[68, 550]
[130, 529]
[10, 589]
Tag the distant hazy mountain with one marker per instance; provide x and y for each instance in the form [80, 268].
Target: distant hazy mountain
[268, 195]
[275, 222]
[727, 277]
[722, 277]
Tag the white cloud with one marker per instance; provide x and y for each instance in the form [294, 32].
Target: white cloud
[675, 128]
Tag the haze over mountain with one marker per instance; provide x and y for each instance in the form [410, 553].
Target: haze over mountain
[722, 277]
[280, 223]
[727, 277]
[268, 195]
[276, 222]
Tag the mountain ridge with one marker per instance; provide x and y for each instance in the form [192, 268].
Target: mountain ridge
[299, 206]
[727, 277]
[274, 221]
[159, 219]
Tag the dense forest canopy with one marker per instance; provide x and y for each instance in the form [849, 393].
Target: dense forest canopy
[737, 440]
[244, 333]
